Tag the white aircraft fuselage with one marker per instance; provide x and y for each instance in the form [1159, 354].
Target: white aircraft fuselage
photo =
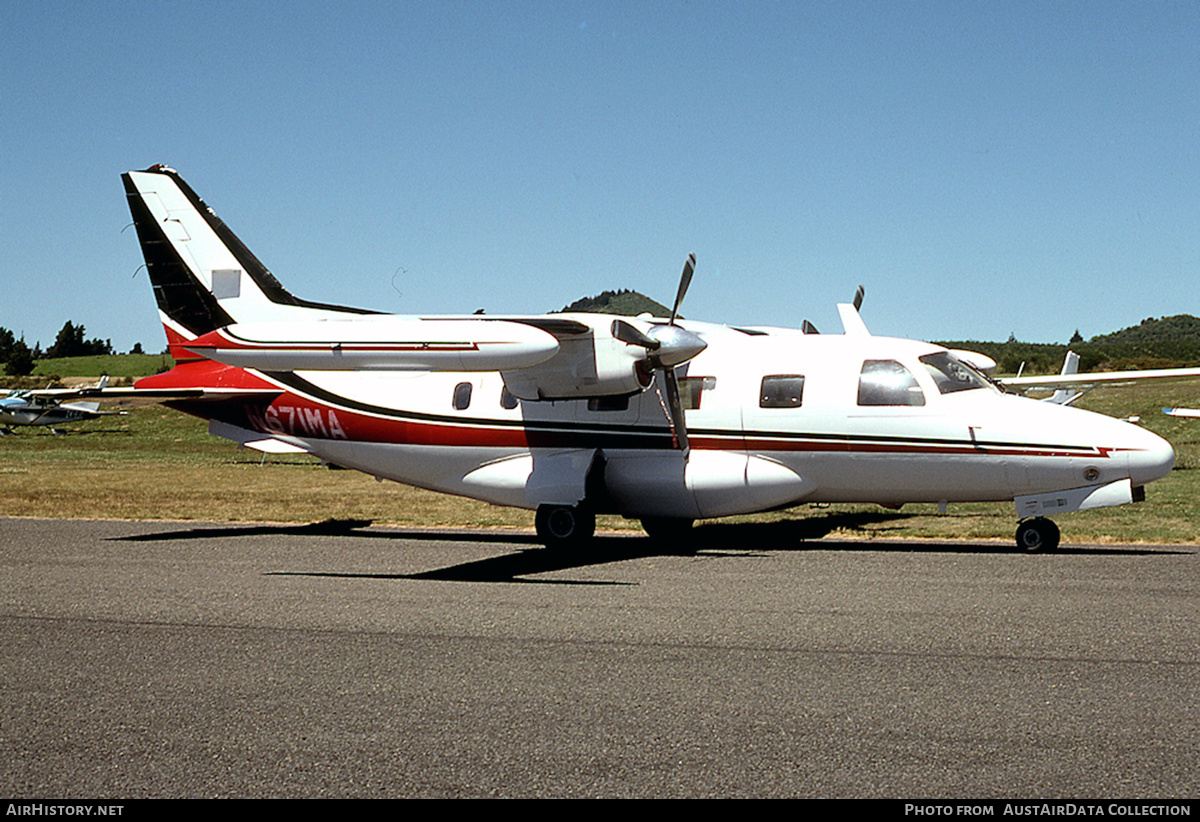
[573, 412]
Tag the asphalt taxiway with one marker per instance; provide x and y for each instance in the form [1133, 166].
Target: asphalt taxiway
[200, 659]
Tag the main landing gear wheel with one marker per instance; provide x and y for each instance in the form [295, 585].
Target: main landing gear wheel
[1037, 534]
[560, 526]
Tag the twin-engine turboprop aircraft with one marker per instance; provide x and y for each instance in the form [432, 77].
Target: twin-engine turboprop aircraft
[660, 419]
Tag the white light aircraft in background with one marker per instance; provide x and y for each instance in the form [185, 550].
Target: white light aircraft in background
[664, 420]
[46, 407]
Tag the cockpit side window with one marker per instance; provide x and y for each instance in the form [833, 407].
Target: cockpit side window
[887, 382]
[951, 374]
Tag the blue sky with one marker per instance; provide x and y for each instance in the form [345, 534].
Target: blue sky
[984, 169]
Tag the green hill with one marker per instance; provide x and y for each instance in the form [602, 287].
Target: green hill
[625, 302]
[1169, 342]
[1181, 327]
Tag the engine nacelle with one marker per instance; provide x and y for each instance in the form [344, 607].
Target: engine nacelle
[592, 363]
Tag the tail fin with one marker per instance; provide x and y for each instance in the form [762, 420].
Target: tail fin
[204, 277]
[1067, 396]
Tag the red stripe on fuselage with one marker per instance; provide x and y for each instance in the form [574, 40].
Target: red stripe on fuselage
[297, 415]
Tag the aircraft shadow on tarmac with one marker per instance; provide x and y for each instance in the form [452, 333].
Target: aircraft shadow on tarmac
[711, 540]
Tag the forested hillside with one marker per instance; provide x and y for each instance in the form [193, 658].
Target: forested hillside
[625, 302]
[1167, 342]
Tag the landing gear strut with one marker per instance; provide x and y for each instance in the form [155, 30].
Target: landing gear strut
[561, 526]
[1037, 534]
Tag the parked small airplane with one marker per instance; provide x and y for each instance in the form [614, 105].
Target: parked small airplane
[658, 419]
[46, 407]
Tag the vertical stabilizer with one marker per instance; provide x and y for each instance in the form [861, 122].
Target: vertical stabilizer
[204, 277]
[1066, 396]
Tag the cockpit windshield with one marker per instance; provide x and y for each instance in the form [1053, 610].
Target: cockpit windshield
[952, 374]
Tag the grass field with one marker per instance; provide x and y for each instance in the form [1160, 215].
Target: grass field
[155, 463]
[115, 365]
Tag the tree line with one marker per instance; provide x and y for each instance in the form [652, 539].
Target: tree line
[18, 359]
[1166, 342]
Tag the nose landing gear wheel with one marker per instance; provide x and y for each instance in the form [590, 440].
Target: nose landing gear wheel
[1037, 534]
[559, 526]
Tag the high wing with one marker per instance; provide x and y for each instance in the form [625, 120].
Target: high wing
[1070, 386]
[1098, 378]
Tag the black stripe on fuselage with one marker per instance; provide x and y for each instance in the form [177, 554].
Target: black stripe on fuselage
[302, 386]
[608, 435]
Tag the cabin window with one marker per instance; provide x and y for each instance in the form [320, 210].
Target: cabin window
[462, 395]
[781, 391]
[692, 388]
[887, 382]
[507, 400]
[951, 374]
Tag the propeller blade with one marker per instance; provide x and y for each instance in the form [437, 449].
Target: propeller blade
[685, 279]
[675, 406]
[630, 335]
[858, 298]
[809, 328]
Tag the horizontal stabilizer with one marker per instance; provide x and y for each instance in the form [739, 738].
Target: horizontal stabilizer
[136, 397]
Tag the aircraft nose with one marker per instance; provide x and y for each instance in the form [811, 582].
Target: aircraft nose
[1150, 458]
